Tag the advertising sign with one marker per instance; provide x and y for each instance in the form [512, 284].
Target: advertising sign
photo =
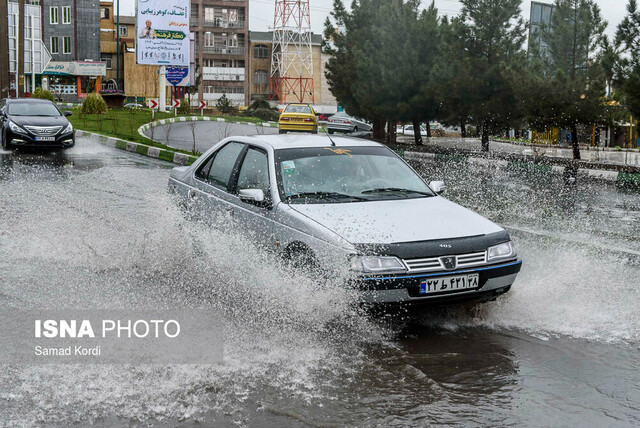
[178, 76]
[162, 32]
[76, 68]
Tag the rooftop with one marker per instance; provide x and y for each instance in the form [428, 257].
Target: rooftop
[301, 141]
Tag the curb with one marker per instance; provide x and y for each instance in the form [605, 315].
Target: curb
[618, 177]
[141, 149]
[144, 128]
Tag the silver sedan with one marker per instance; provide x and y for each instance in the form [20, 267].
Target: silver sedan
[342, 122]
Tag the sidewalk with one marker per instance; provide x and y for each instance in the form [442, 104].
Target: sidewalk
[627, 161]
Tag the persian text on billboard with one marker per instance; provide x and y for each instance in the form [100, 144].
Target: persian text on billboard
[162, 32]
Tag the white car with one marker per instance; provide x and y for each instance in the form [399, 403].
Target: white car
[408, 130]
[350, 204]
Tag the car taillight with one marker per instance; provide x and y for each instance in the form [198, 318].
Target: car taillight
[348, 122]
[284, 119]
[308, 119]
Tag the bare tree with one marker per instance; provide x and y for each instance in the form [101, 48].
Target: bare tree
[259, 129]
[223, 130]
[167, 131]
[192, 126]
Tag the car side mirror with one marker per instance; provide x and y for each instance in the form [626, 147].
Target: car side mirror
[253, 196]
[438, 186]
[68, 113]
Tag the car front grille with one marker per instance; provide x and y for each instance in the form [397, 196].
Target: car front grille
[44, 131]
[434, 264]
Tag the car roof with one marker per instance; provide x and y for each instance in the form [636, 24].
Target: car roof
[301, 141]
[27, 100]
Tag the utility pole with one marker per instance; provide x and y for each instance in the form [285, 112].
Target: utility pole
[5, 77]
[118, 43]
[20, 69]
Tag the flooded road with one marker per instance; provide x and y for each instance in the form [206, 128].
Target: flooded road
[93, 227]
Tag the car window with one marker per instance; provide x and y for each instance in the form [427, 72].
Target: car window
[222, 165]
[254, 172]
[34, 109]
[298, 109]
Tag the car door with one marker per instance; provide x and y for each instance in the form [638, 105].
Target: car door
[255, 219]
[212, 182]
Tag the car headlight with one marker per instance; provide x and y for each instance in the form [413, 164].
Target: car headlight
[377, 264]
[68, 129]
[501, 251]
[16, 128]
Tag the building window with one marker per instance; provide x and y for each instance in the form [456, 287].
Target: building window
[260, 77]
[55, 48]
[123, 31]
[260, 51]
[208, 39]
[66, 45]
[66, 14]
[209, 14]
[53, 15]
[107, 57]
[104, 13]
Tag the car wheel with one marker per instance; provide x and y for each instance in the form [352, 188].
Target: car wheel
[355, 129]
[300, 258]
[315, 131]
[5, 143]
[331, 131]
[282, 131]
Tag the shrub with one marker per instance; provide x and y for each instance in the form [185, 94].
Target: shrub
[42, 94]
[184, 108]
[94, 104]
[266, 114]
[260, 104]
[224, 106]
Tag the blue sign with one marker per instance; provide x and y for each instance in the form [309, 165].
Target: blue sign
[176, 75]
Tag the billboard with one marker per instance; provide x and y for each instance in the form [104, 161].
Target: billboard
[162, 32]
[76, 68]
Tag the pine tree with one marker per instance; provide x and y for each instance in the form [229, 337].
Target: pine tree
[628, 37]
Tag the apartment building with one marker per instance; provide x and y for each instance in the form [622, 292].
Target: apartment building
[221, 46]
[71, 29]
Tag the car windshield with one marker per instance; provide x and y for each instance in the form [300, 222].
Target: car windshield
[298, 109]
[345, 174]
[33, 109]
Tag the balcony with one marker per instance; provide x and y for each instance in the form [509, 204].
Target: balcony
[219, 23]
[223, 50]
[193, 21]
[229, 74]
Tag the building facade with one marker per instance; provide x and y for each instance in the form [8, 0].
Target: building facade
[261, 45]
[36, 56]
[221, 34]
[71, 29]
[540, 17]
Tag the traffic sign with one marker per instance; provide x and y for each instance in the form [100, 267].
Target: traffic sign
[176, 103]
[153, 104]
[202, 105]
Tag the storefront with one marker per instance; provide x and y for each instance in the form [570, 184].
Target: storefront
[71, 81]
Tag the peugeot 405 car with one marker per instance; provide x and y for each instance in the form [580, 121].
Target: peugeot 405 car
[34, 123]
[298, 117]
[345, 203]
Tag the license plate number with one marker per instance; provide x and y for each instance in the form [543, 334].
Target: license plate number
[45, 138]
[449, 283]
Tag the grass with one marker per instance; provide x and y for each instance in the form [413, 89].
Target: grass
[124, 124]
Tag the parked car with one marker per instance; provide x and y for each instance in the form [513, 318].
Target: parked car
[31, 122]
[349, 204]
[298, 117]
[342, 122]
[134, 105]
[408, 130]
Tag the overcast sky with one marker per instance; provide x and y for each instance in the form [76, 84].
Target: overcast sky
[261, 11]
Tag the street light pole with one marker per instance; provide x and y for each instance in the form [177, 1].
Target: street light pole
[118, 43]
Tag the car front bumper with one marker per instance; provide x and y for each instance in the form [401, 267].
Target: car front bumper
[27, 140]
[494, 280]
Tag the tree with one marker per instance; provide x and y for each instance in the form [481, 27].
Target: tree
[628, 38]
[572, 80]
[224, 106]
[494, 36]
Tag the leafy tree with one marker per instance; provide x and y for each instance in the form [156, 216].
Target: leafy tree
[494, 36]
[628, 37]
[184, 107]
[94, 104]
[572, 79]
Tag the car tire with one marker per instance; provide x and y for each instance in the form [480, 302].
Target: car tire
[301, 258]
[282, 131]
[5, 143]
[355, 129]
[315, 131]
[330, 131]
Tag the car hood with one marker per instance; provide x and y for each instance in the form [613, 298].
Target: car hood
[39, 120]
[387, 222]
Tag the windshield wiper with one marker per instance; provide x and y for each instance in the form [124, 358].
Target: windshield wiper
[394, 189]
[324, 195]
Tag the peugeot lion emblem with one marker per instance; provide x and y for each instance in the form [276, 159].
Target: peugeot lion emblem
[449, 263]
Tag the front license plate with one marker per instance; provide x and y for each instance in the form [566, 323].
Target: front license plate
[449, 283]
[45, 138]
